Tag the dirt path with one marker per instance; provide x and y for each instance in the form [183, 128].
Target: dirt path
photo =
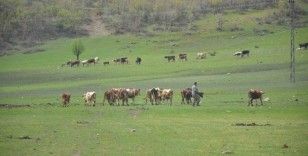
[97, 26]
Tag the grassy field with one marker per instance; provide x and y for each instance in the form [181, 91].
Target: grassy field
[214, 128]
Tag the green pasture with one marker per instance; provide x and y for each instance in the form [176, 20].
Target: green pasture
[47, 128]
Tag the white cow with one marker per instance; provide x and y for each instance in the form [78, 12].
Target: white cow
[89, 97]
[201, 55]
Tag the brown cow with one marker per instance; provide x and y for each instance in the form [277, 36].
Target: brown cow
[65, 99]
[110, 96]
[73, 63]
[167, 94]
[186, 95]
[254, 94]
[120, 94]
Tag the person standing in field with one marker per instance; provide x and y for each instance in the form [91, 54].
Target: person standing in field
[195, 94]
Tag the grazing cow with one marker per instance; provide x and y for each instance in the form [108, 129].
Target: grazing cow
[254, 94]
[238, 53]
[84, 62]
[118, 60]
[183, 57]
[92, 60]
[186, 95]
[110, 95]
[153, 95]
[124, 60]
[106, 62]
[201, 55]
[138, 60]
[89, 97]
[167, 94]
[303, 45]
[132, 93]
[245, 52]
[75, 63]
[65, 97]
[68, 63]
[170, 58]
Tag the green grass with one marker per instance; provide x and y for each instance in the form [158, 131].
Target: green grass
[37, 79]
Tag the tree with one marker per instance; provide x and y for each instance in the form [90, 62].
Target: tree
[78, 48]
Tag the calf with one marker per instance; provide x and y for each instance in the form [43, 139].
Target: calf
[170, 58]
[186, 95]
[183, 57]
[89, 97]
[254, 94]
[65, 97]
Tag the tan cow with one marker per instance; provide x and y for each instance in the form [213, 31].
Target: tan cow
[89, 97]
[132, 93]
[201, 55]
[167, 94]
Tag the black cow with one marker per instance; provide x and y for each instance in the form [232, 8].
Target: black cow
[170, 58]
[245, 52]
[183, 57]
[138, 60]
[303, 45]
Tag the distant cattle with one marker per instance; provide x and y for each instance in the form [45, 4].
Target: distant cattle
[170, 58]
[186, 95]
[65, 97]
[89, 97]
[75, 63]
[132, 93]
[254, 94]
[90, 61]
[106, 63]
[68, 63]
[242, 53]
[245, 52]
[138, 60]
[154, 95]
[303, 45]
[121, 60]
[167, 94]
[183, 57]
[201, 55]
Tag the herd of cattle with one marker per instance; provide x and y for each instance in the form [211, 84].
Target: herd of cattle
[156, 96]
[169, 58]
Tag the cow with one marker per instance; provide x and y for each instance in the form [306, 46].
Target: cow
[245, 52]
[201, 55]
[84, 62]
[124, 60]
[118, 60]
[303, 45]
[132, 93]
[183, 57]
[154, 95]
[170, 58]
[106, 63]
[65, 97]
[120, 94]
[110, 96]
[186, 94]
[138, 60]
[89, 97]
[75, 63]
[92, 60]
[254, 94]
[238, 53]
[68, 63]
[167, 94]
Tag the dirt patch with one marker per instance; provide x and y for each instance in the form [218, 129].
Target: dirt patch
[134, 112]
[10, 106]
[250, 124]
